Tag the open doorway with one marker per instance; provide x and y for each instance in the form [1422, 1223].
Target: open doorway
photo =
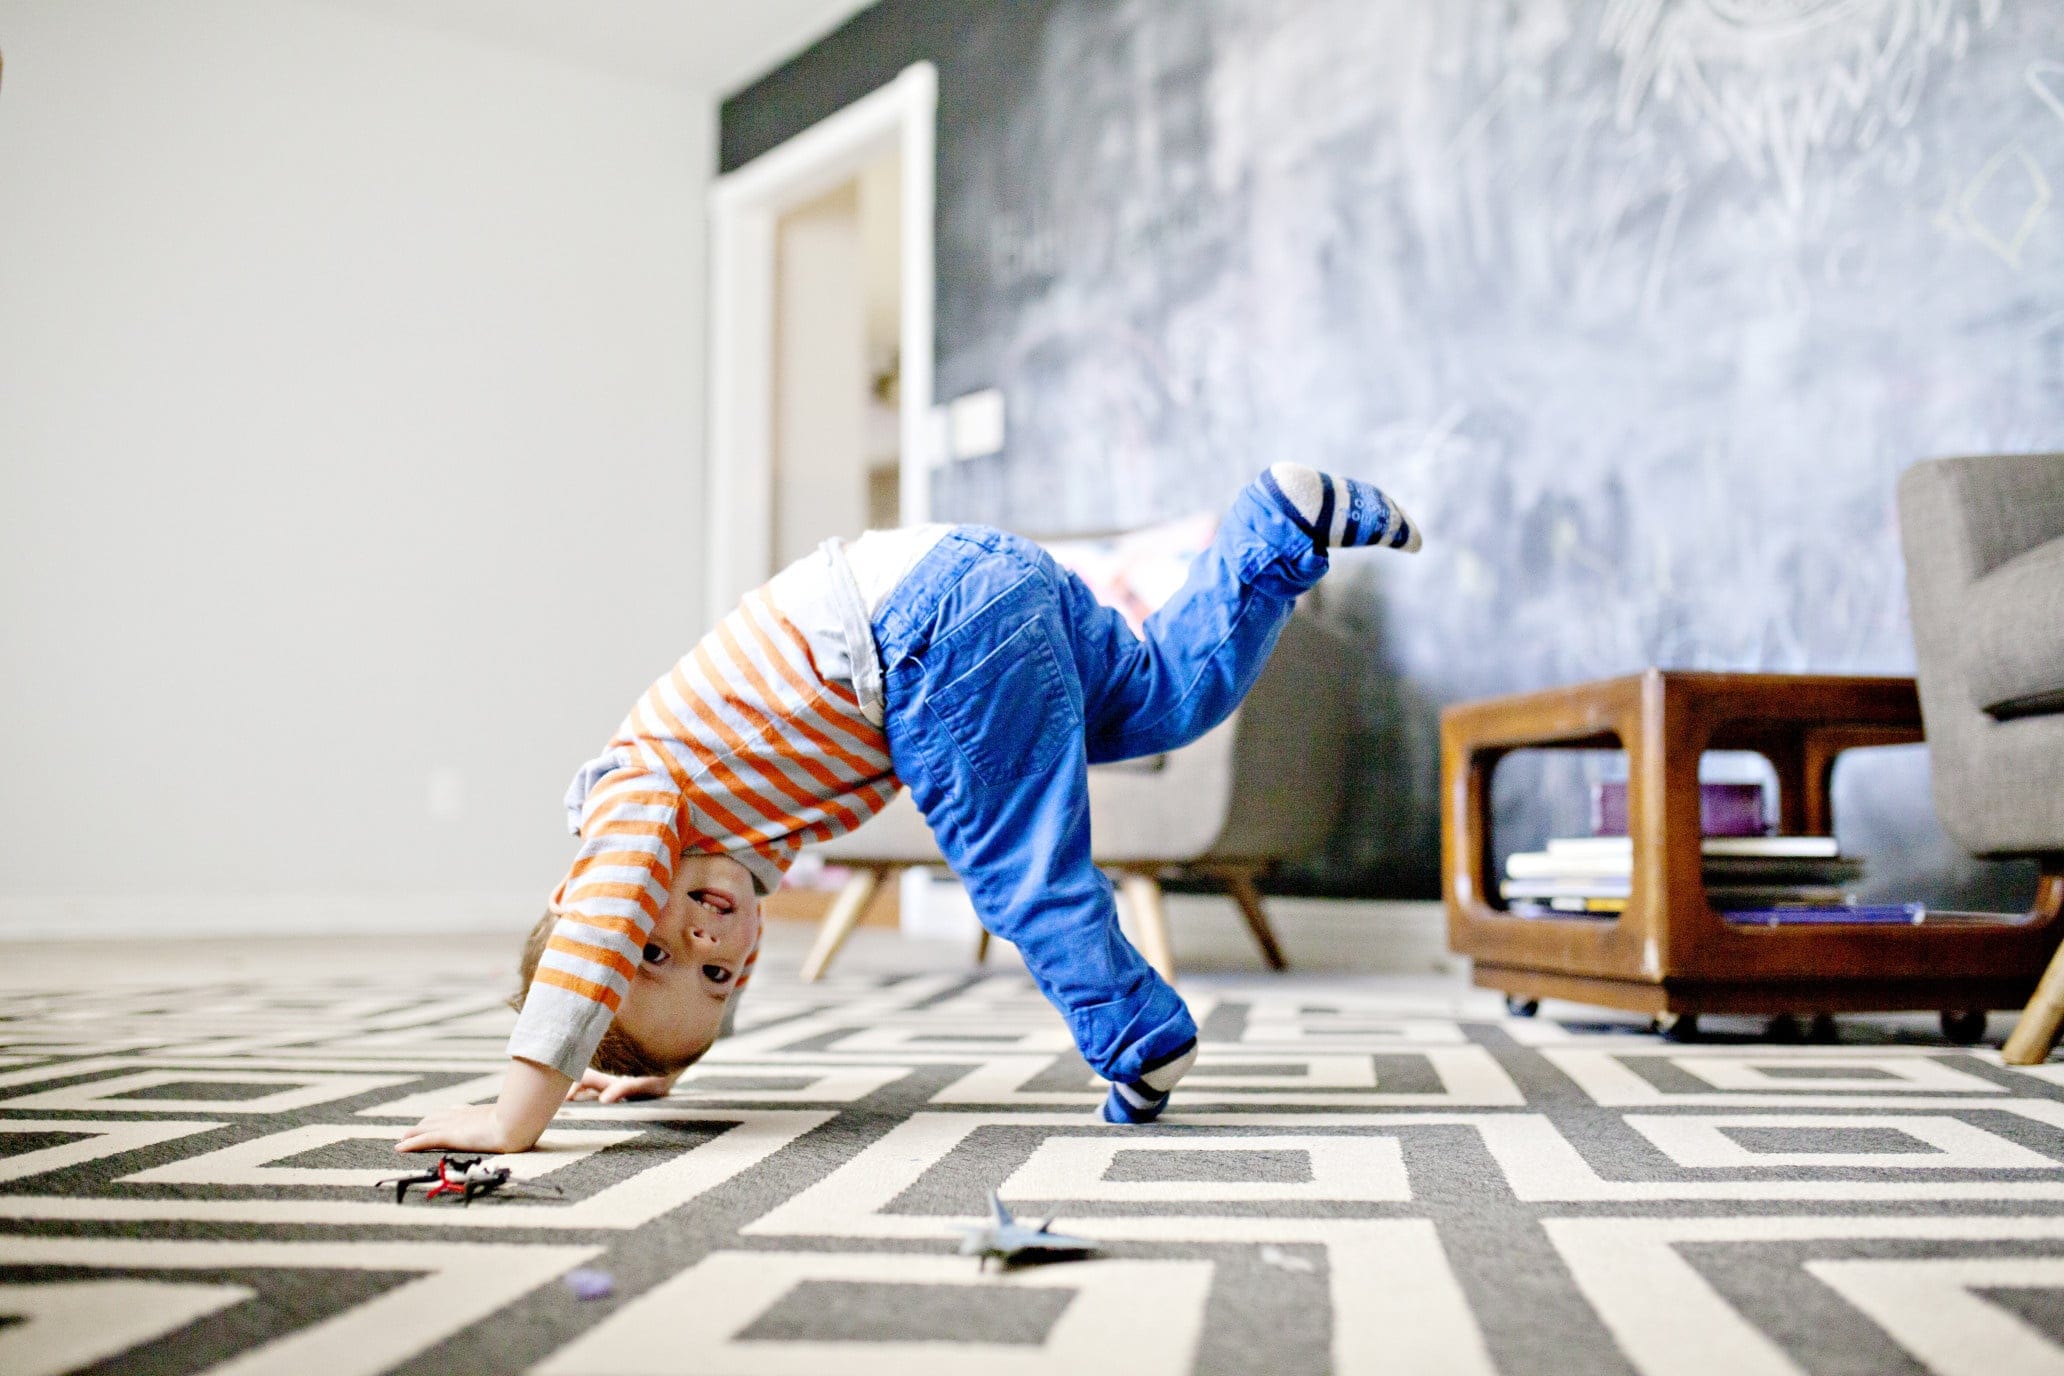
[837, 446]
[821, 337]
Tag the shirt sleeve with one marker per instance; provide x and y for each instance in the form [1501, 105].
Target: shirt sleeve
[615, 891]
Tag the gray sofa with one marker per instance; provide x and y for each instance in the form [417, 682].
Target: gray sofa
[1983, 540]
[1261, 787]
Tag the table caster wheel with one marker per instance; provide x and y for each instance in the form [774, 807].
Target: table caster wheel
[1676, 1027]
[1521, 1008]
[1822, 1029]
[1965, 1027]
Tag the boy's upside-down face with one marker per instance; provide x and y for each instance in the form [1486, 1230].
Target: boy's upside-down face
[693, 959]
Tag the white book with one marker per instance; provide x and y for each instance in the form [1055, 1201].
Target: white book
[1792, 859]
[1543, 864]
[1565, 887]
[1785, 847]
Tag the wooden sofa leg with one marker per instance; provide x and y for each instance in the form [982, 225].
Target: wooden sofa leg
[1143, 895]
[1240, 884]
[846, 911]
[2036, 1033]
[982, 948]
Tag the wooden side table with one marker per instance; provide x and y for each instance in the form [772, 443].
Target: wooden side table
[1669, 952]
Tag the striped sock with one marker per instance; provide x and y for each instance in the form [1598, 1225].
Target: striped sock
[1338, 511]
[1141, 1100]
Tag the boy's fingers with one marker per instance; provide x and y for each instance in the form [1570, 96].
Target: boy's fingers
[615, 1091]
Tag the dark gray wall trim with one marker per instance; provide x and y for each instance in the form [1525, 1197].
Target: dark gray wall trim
[864, 53]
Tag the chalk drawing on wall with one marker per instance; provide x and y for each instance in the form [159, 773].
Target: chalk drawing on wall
[1781, 81]
[2046, 79]
[2001, 205]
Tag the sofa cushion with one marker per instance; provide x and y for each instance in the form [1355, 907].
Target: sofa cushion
[2008, 504]
[2015, 636]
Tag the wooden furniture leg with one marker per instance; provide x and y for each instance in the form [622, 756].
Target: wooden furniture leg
[982, 948]
[839, 923]
[2036, 1032]
[1239, 882]
[1143, 895]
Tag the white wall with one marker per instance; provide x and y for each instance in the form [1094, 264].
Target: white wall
[350, 432]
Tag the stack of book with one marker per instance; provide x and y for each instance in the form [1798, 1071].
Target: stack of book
[1752, 878]
[1594, 874]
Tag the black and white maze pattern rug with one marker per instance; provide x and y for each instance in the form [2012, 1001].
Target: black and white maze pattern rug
[1348, 1183]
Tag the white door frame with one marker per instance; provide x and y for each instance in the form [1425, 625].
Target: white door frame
[745, 205]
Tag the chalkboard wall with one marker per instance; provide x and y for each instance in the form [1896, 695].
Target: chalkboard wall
[1639, 306]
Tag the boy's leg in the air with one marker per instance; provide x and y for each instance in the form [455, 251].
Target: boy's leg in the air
[1200, 653]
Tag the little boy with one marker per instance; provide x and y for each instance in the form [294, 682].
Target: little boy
[959, 661]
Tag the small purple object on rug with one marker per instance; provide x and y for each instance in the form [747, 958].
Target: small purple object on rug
[589, 1284]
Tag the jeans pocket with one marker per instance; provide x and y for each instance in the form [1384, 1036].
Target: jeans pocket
[1011, 715]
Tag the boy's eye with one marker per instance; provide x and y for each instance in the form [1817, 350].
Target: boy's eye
[716, 974]
[655, 954]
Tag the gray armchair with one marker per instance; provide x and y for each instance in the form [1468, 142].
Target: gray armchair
[1984, 545]
[1261, 787]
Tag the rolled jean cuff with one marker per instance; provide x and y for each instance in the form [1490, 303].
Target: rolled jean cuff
[1274, 553]
[1120, 1039]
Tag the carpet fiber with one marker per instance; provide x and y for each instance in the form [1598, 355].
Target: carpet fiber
[1354, 1178]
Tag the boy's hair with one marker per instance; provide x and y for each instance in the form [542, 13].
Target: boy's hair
[617, 1053]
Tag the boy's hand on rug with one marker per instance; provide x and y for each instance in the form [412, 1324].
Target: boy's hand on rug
[531, 1094]
[475, 1127]
[603, 1088]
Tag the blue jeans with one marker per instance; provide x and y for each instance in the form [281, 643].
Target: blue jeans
[1005, 680]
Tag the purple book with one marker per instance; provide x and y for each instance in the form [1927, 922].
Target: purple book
[1724, 809]
[1876, 914]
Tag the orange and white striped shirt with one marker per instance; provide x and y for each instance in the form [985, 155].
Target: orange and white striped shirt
[756, 743]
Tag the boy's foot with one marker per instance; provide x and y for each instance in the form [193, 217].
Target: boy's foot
[1338, 511]
[1132, 1103]
[1141, 1100]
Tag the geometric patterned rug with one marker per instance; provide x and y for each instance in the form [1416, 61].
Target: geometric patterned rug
[1350, 1182]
